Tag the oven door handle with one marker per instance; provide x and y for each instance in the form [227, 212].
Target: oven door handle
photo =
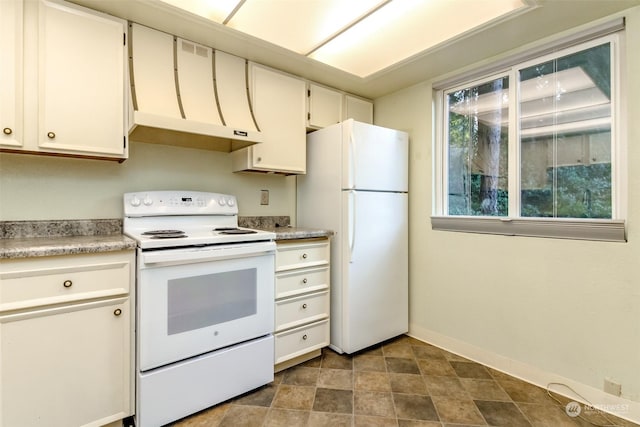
[207, 253]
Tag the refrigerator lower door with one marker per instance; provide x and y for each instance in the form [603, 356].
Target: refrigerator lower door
[374, 270]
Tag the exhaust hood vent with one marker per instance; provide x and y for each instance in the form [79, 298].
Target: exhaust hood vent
[187, 94]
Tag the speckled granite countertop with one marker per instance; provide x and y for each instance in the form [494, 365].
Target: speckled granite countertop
[23, 239]
[288, 233]
[281, 226]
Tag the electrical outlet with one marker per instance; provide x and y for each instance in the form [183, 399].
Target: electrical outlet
[612, 387]
[264, 197]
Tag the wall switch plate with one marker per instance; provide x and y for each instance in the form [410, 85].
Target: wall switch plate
[264, 197]
[612, 387]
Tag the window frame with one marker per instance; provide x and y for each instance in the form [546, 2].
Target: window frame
[514, 224]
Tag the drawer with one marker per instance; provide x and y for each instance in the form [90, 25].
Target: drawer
[299, 255]
[298, 341]
[301, 281]
[53, 280]
[300, 310]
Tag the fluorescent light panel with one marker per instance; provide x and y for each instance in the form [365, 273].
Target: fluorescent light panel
[404, 28]
[335, 32]
[299, 25]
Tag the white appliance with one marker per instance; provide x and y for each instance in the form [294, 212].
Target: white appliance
[357, 185]
[204, 294]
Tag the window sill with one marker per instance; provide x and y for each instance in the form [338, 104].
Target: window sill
[608, 230]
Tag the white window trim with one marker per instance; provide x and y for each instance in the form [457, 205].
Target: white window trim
[564, 228]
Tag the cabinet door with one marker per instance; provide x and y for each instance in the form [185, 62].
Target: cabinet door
[81, 81]
[279, 106]
[66, 366]
[358, 109]
[11, 73]
[325, 106]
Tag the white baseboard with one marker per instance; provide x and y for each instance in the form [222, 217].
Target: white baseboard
[617, 406]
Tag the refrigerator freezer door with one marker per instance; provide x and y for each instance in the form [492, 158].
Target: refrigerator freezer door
[374, 270]
[374, 158]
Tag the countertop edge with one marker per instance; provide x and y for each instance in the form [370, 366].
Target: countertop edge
[295, 233]
[31, 247]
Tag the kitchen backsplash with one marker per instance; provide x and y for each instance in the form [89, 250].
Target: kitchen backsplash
[264, 221]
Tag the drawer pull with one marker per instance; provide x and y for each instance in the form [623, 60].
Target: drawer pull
[117, 312]
[7, 131]
[304, 256]
[304, 337]
[51, 135]
[304, 306]
[304, 281]
[67, 283]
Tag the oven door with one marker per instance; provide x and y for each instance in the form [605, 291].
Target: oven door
[195, 300]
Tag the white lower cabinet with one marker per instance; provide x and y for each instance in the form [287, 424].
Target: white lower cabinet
[302, 300]
[66, 340]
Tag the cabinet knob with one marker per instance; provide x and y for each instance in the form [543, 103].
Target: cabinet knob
[259, 159]
[304, 256]
[7, 131]
[67, 283]
[304, 337]
[304, 280]
[117, 312]
[304, 306]
[51, 135]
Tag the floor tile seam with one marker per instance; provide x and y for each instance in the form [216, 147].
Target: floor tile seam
[486, 422]
[504, 391]
[540, 404]
[307, 411]
[531, 423]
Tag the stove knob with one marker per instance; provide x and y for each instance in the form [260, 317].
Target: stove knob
[231, 201]
[135, 201]
[148, 201]
[221, 201]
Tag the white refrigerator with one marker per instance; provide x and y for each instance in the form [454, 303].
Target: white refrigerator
[357, 186]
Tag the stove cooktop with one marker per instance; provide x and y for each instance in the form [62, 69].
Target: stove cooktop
[153, 239]
[163, 219]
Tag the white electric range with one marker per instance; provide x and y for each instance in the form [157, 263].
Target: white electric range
[205, 293]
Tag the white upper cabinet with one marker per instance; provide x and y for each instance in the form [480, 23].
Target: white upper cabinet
[325, 106]
[358, 109]
[279, 109]
[11, 73]
[81, 81]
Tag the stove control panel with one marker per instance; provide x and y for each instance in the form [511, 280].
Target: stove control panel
[154, 203]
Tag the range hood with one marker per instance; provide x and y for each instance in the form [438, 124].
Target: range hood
[186, 94]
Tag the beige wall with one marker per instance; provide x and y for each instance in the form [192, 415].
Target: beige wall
[38, 187]
[543, 309]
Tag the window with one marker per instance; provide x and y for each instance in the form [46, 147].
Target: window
[533, 149]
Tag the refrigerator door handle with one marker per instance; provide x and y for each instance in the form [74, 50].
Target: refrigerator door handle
[352, 224]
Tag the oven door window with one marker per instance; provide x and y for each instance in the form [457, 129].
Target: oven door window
[201, 301]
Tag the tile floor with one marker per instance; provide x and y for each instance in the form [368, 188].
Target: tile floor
[403, 382]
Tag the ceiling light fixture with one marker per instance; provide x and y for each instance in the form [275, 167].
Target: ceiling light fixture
[360, 37]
